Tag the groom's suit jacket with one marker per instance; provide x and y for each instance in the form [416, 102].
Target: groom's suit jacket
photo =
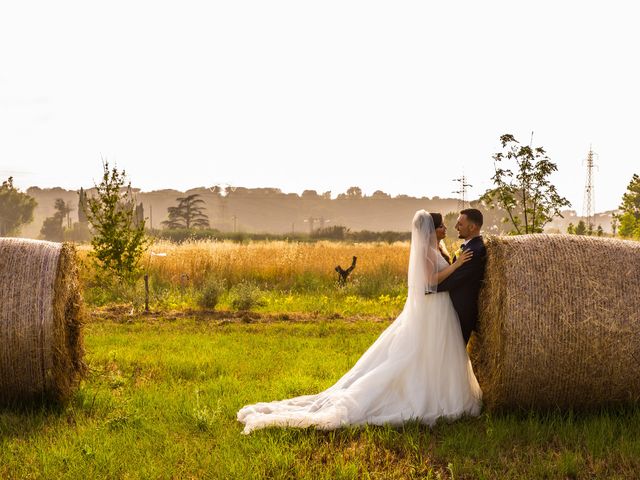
[463, 286]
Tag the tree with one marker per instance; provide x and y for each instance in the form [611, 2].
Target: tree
[63, 209]
[82, 206]
[354, 192]
[188, 214]
[527, 196]
[53, 227]
[118, 241]
[351, 193]
[571, 229]
[336, 232]
[629, 216]
[581, 228]
[600, 231]
[79, 231]
[312, 194]
[139, 214]
[380, 194]
[614, 225]
[16, 208]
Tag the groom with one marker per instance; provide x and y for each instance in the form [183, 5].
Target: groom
[463, 285]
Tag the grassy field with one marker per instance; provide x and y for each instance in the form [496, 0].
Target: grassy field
[288, 277]
[162, 394]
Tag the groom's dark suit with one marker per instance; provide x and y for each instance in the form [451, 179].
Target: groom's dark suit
[463, 286]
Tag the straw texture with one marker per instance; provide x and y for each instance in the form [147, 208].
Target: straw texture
[41, 350]
[559, 322]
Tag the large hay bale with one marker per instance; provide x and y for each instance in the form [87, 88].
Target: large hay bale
[559, 322]
[41, 358]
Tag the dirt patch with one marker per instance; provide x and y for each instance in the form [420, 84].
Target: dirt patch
[126, 314]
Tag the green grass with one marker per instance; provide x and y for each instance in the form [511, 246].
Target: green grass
[161, 399]
[329, 300]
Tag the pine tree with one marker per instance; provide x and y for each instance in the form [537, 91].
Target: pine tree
[82, 206]
[581, 228]
[189, 213]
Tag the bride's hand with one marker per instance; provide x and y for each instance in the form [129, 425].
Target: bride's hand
[463, 258]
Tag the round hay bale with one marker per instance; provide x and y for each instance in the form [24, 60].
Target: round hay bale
[40, 326]
[559, 322]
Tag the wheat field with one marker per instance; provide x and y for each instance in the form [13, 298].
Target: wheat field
[267, 260]
[291, 276]
[273, 262]
[276, 263]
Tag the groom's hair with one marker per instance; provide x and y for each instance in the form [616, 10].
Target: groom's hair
[474, 215]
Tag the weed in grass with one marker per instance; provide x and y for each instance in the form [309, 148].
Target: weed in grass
[246, 296]
[210, 292]
[204, 416]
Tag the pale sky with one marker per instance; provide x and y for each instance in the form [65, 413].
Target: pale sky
[402, 96]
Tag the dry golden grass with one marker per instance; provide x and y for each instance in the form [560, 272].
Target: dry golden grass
[269, 261]
[302, 275]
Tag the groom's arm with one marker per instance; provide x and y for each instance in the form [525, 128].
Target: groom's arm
[463, 274]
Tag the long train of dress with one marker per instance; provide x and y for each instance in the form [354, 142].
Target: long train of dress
[418, 368]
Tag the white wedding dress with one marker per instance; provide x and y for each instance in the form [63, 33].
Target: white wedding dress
[418, 368]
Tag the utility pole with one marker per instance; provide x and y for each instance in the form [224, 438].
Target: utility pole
[235, 218]
[588, 205]
[462, 191]
[310, 221]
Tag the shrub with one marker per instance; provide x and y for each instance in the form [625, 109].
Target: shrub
[245, 296]
[210, 292]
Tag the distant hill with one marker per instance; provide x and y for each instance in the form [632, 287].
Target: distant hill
[269, 210]
[266, 209]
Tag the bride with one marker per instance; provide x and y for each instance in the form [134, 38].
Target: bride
[418, 368]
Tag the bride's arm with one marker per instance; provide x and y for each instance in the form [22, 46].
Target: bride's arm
[445, 272]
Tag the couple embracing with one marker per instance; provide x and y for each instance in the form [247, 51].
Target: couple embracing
[418, 368]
